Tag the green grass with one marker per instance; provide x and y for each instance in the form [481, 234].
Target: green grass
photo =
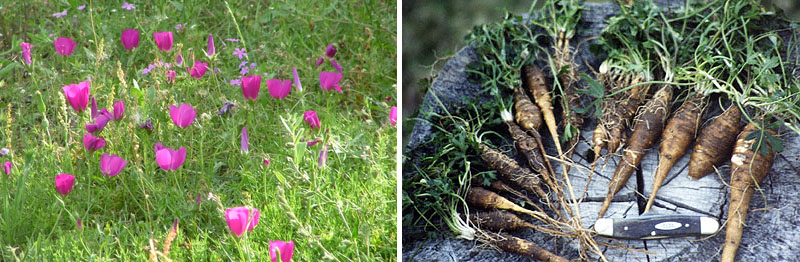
[343, 212]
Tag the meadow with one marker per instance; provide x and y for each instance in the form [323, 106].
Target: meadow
[324, 183]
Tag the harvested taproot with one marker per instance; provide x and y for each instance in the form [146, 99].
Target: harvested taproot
[498, 221]
[528, 115]
[520, 246]
[510, 170]
[480, 197]
[748, 169]
[647, 128]
[715, 143]
[675, 139]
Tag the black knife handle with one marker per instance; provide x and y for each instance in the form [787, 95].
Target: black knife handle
[662, 226]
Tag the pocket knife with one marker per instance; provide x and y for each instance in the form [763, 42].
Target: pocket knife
[656, 226]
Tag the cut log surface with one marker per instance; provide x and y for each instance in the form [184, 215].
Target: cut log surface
[772, 232]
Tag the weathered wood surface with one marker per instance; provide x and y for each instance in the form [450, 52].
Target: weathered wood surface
[773, 225]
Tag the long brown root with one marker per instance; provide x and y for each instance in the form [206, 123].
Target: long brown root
[528, 115]
[646, 130]
[520, 246]
[498, 221]
[510, 170]
[715, 143]
[748, 169]
[534, 80]
[676, 138]
[483, 198]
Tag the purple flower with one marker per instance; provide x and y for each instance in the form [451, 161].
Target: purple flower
[266, 162]
[244, 71]
[336, 65]
[245, 142]
[171, 76]
[26, 52]
[180, 27]
[252, 65]
[77, 95]
[64, 46]
[111, 165]
[239, 219]
[93, 143]
[236, 82]
[94, 108]
[100, 121]
[64, 183]
[330, 51]
[297, 79]
[239, 52]
[4, 151]
[119, 110]
[330, 79]
[199, 198]
[182, 116]
[393, 115]
[80, 224]
[311, 143]
[323, 157]
[282, 249]
[179, 60]
[232, 40]
[168, 158]
[130, 39]
[7, 167]
[242, 64]
[279, 89]
[128, 6]
[198, 69]
[147, 125]
[59, 15]
[210, 49]
[319, 62]
[81, 7]
[163, 40]
[226, 108]
[311, 118]
[250, 86]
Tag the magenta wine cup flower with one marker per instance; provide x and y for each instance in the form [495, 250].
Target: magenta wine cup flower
[336, 65]
[250, 86]
[64, 183]
[100, 121]
[130, 39]
[77, 95]
[198, 69]
[168, 158]
[297, 79]
[266, 162]
[7, 167]
[163, 40]
[171, 76]
[319, 62]
[330, 51]
[26, 52]
[330, 79]
[119, 110]
[323, 156]
[111, 165]
[245, 142]
[311, 118]
[93, 143]
[393, 115]
[182, 115]
[239, 219]
[285, 249]
[279, 89]
[210, 49]
[94, 108]
[64, 46]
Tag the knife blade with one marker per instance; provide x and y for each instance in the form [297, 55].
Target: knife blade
[656, 226]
